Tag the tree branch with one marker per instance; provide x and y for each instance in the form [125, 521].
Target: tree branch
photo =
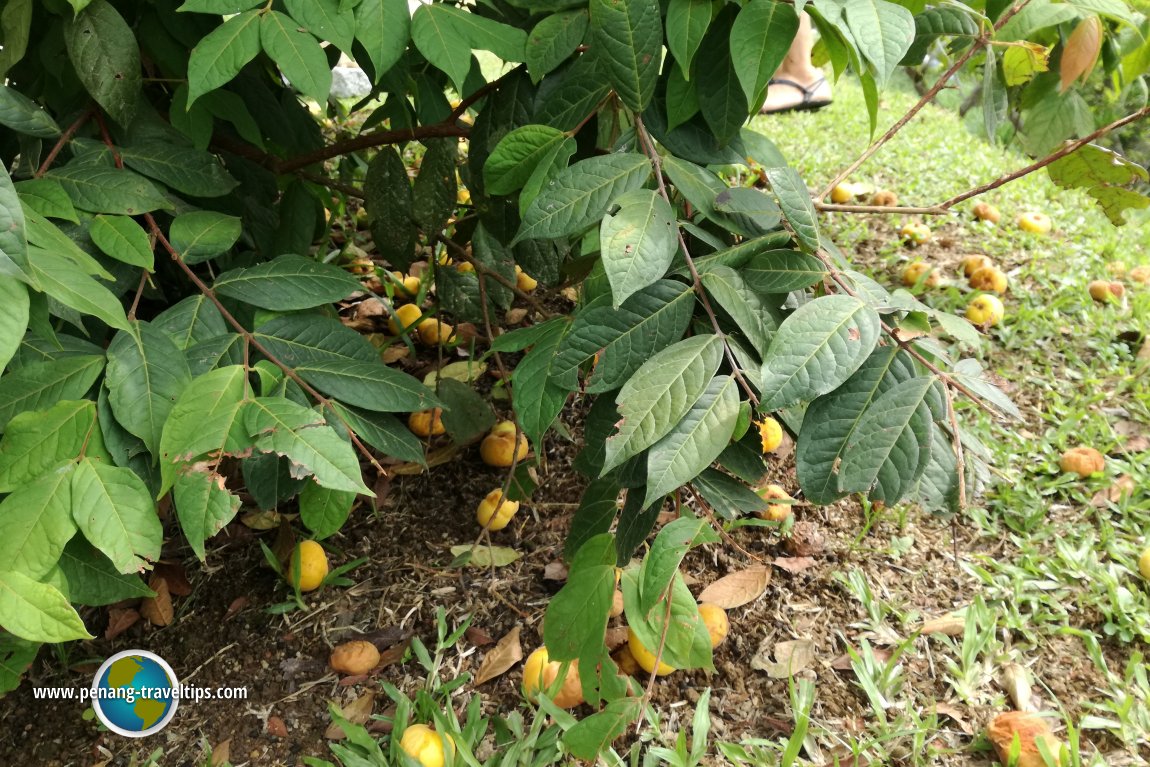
[65, 137]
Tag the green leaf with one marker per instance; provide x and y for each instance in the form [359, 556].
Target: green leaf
[218, 7]
[1113, 181]
[577, 615]
[579, 195]
[938, 489]
[15, 26]
[438, 31]
[553, 40]
[370, 385]
[281, 426]
[537, 398]
[593, 735]
[59, 279]
[695, 442]
[760, 39]
[582, 86]
[816, 349]
[722, 102]
[324, 19]
[637, 242]
[220, 55]
[485, 556]
[47, 241]
[682, 100]
[203, 504]
[100, 189]
[287, 283]
[114, 510]
[1053, 120]
[782, 271]
[298, 339]
[203, 234]
[92, 578]
[147, 372]
[204, 422]
[597, 510]
[726, 287]
[627, 36]
[661, 564]
[687, 643]
[23, 115]
[383, 28]
[187, 170]
[1020, 63]
[795, 200]
[752, 210]
[516, 156]
[191, 321]
[13, 239]
[14, 306]
[883, 32]
[687, 22]
[934, 23]
[123, 239]
[48, 198]
[383, 432]
[467, 415]
[297, 54]
[635, 524]
[660, 393]
[729, 498]
[36, 442]
[324, 511]
[435, 190]
[994, 101]
[36, 522]
[387, 197]
[36, 611]
[103, 51]
[39, 385]
[970, 374]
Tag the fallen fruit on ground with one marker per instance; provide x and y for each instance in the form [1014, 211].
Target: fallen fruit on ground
[494, 512]
[770, 434]
[426, 746]
[499, 447]
[985, 310]
[846, 192]
[644, 657]
[1035, 223]
[1029, 729]
[309, 560]
[426, 423]
[984, 211]
[410, 285]
[1082, 461]
[354, 658]
[989, 278]
[1144, 563]
[625, 661]
[435, 332]
[920, 270]
[540, 673]
[1104, 292]
[884, 198]
[405, 317]
[525, 281]
[775, 512]
[616, 604]
[973, 263]
[914, 234]
[1140, 274]
[718, 625]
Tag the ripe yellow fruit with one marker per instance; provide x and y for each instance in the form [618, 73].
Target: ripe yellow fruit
[718, 625]
[770, 434]
[433, 332]
[914, 234]
[775, 512]
[310, 561]
[989, 278]
[426, 423]
[985, 310]
[884, 198]
[405, 316]
[1035, 223]
[464, 267]
[494, 512]
[984, 211]
[973, 263]
[426, 746]
[499, 447]
[920, 270]
[1082, 461]
[410, 286]
[525, 281]
[644, 657]
[1140, 274]
[1028, 729]
[540, 673]
[1144, 563]
[844, 193]
[1105, 292]
[354, 658]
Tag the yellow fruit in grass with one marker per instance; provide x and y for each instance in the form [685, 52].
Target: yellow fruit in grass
[410, 285]
[973, 263]
[404, 317]
[433, 332]
[914, 234]
[985, 310]
[1082, 461]
[540, 673]
[525, 281]
[1144, 563]
[644, 657]
[884, 198]
[1140, 274]
[775, 512]
[920, 270]
[1034, 222]
[426, 746]
[499, 447]
[989, 278]
[1105, 292]
[718, 625]
[494, 512]
[844, 193]
[426, 423]
[984, 211]
[308, 565]
[770, 433]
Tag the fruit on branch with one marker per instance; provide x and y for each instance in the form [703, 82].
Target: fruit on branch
[644, 657]
[990, 279]
[354, 658]
[775, 512]
[884, 198]
[920, 270]
[1144, 563]
[1034, 222]
[540, 673]
[426, 423]
[308, 566]
[914, 234]
[435, 332]
[985, 310]
[1082, 461]
[494, 511]
[984, 211]
[718, 625]
[500, 448]
[405, 316]
[973, 263]
[1029, 729]
[525, 281]
[426, 746]
[1140, 274]
[1104, 292]
[770, 434]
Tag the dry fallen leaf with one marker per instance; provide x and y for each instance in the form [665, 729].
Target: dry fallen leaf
[738, 588]
[261, 520]
[790, 657]
[158, 610]
[503, 656]
[956, 715]
[794, 565]
[237, 604]
[1015, 680]
[843, 662]
[222, 753]
[394, 353]
[120, 619]
[276, 727]
[515, 316]
[173, 573]
[555, 571]
[485, 556]
[356, 712]
[951, 624]
[616, 637]
[478, 636]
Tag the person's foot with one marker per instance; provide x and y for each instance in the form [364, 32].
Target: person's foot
[785, 94]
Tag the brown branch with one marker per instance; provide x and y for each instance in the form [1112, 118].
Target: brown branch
[368, 141]
[331, 183]
[827, 207]
[956, 441]
[65, 137]
[461, 253]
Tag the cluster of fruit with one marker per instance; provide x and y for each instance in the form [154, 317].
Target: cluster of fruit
[1111, 291]
[986, 308]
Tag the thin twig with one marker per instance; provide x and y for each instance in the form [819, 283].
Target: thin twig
[139, 292]
[368, 141]
[829, 207]
[65, 137]
[460, 252]
[959, 455]
[331, 183]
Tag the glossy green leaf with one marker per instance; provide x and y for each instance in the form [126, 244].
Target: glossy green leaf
[36, 611]
[553, 40]
[383, 28]
[203, 234]
[516, 156]
[729, 497]
[384, 432]
[188, 171]
[577, 615]
[103, 50]
[92, 578]
[203, 504]
[446, 35]
[14, 306]
[301, 339]
[114, 510]
[370, 385]
[100, 189]
[627, 36]
[36, 522]
[15, 28]
[23, 115]
[220, 55]
[191, 321]
[204, 422]
[760, 39]
[218, 7]
[781, 271]
[795, 200]
[13, 235]
[60, 279]
[123, 239]
[323, 510]
[324, 19]
[593, 735]
[39, 385]
[580, 89]
[598, 507]
[883, 31]
[298, 55]
[722, 102]
[683, 635]
[287, 283]
[637, 242]
[538, 398]
[727, 288]
[38, 441]
[48, 198]
[687, 22]
[147, 372]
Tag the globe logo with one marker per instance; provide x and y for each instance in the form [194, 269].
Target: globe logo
[135, 693]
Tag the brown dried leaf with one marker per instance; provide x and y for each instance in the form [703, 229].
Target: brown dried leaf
[436, 457]
[503, 656]
[1080, 52]
[222, 753]
[393, 654]
[790, 657]
[951, 624]
[1137, 444]
[478, 636]
[158, 610]
[794, 565]
[738, 588]
[515, 316]
[1015, 681]
[237, 604]
[616, 637]
[120, 619]
[356, 712]
[176, 577]
[276, 727]
[956, 715]
[261, 520]
[843, 662]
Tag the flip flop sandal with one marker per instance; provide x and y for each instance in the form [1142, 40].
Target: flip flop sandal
[807, 104]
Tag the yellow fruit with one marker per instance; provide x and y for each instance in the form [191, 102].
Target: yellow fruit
[426, 746]
[884, 198]
[1082, 461]
[310, 561]
[464, 267]
[972, 264]
[625, 661]
[718, 626]
[1028, 729]
[775, 512]
[540, 673]
[494, 512]
[426, 423]
[1140, 274]
[499, 446]
[770, 434]
[914, 234]
[985, 310]
[433, 332]
[463, 196]
[920, 270]
[984, 211]
[1105, 292]
[989, 278]
[354, 658]
[1035, 223]
[616, 604]
[1144, 563]
[842, 193]
[644, 657]
[405, 317]
[525, 281]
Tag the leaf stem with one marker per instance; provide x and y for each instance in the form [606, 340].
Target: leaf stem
[65, 137]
